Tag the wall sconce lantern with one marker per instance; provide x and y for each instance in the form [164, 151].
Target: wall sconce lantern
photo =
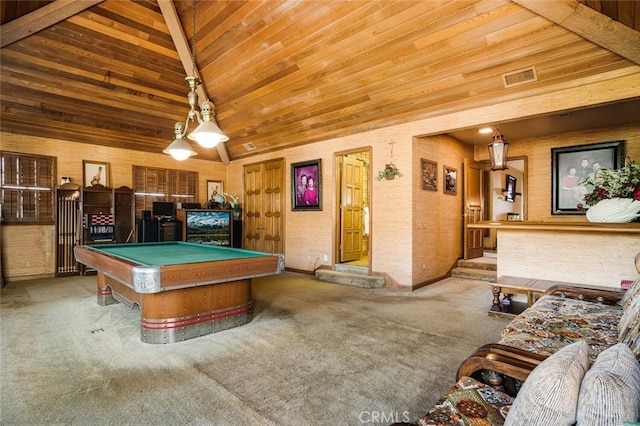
[498, 152]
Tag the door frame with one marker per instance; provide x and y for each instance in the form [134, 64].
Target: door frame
[487, 193]
[337, 173]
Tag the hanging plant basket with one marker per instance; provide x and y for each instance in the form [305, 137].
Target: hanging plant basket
[389, 172]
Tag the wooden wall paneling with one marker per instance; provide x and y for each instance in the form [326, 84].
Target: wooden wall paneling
[293, 73]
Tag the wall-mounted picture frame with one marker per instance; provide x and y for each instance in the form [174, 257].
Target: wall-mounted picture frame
[214, 187]
[95, 173]
[450, 180]
[571, 165]
[429, 175]
[306, 185]
[510, 192]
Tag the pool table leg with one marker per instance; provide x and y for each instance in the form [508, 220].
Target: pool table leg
[105, 294]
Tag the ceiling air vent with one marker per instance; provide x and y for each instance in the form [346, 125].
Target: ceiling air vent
[249, 146]
[520, 77]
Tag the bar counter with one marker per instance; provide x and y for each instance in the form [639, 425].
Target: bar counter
[576, 252]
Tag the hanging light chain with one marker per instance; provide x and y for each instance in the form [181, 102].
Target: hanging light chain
[193, 42]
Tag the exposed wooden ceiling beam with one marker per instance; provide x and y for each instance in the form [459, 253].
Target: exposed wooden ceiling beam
[589, 24]
[170, 15]
[42, 18]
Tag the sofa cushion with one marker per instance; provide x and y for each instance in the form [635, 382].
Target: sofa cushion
[633, 292]
[629, 325]
[468, 402]
[610, 391]
[549, 396]
[555, 321]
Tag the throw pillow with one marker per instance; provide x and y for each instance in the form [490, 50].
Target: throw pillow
[633, 292]
[610, 391]
[629, 326]
[549, 396]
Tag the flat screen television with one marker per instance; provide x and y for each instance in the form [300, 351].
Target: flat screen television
[163, 209]
[209, 227]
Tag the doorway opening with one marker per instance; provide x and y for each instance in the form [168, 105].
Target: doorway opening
[503, 203]
[353, 224]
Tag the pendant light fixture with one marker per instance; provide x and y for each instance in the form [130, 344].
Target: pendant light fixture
[207, 134]
[179, 148]
[498, 151]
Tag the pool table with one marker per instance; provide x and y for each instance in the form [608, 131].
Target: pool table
[184, 290]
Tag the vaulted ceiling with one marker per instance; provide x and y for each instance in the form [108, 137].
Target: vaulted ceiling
[287, 73]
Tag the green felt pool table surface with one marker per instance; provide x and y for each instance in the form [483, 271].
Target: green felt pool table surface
[173, 253]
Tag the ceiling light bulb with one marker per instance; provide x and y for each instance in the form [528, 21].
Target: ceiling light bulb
[179, 149]
[208, 134]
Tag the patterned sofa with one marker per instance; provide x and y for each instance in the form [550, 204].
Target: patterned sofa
[604, 323]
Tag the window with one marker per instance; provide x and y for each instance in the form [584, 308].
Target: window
[150, 184]
[28, 187]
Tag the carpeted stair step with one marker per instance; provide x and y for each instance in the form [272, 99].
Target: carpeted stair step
[474, 264]
[346, 278]
[352, 269]
[474, 274]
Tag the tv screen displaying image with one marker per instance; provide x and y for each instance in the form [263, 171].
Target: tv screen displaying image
[207, 227]
[163, 209]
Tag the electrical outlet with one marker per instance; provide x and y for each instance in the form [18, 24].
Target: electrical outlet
[325, 258]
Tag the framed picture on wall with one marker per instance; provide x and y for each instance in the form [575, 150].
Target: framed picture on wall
[572, 165]
[306, 185]
[450, 180]
[214, 187]
[95, 173]
[429, 175]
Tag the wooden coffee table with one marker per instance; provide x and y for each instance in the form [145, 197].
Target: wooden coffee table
[505, 287]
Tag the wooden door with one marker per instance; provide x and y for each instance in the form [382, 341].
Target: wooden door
[351, 175]
[473, 238]
[264, 206]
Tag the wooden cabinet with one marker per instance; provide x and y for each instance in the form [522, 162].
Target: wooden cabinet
[97, 199]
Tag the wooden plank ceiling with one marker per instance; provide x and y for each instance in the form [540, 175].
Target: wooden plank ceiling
[280, 72]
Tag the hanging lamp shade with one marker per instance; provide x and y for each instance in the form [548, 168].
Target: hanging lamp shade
[498, 152]
[179, 149]
[208, 134]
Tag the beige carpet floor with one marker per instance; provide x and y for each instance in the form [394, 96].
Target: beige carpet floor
[315, 353]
